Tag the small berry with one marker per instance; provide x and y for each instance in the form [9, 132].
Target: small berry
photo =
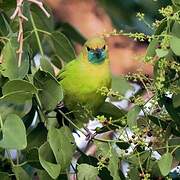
[149, 133]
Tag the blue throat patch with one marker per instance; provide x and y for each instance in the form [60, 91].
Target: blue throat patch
[96, 56]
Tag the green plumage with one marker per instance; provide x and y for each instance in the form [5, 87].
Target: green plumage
[81, 78]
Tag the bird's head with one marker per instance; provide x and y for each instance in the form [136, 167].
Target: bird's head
[95, 49]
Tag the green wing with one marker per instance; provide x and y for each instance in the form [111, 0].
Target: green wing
[62, 73]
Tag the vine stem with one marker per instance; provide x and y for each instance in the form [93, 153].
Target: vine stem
[37, 35]
[175, 149]
[93, 137]
[69, 120]
[106, 140]
[139, 160]
[1, 122]
[155, 149]
[9, 156]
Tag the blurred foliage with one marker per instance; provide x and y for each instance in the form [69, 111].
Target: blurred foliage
[29, 94]
[123, 13]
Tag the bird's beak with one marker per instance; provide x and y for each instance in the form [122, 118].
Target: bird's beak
[98, 53]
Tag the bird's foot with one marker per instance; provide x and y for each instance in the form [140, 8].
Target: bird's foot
[89, 135]
[60, 105]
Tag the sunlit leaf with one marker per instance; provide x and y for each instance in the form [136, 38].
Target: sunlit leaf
[165, 163]
[19, 86]
[19, 103]
[120, 84]
[20, 173]
[12, 139]
[151, 50]
[62, 144]
[176, 29]
[110, 154]
[132, 116]
[174, 44]
[9, 66]
[161, 52]
[47, 161]
[87, 172]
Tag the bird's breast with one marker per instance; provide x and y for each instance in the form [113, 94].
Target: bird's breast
[82, 85]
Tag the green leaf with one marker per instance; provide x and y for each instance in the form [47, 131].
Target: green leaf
[151, 50]
[176, 29]
[162, 52]
[15, 103]
[37, 136]
[132, 116]
[158, 122]
[143, 156]
[123, 145]
[120, 84]
[176, 3]
[19, 86]
[85, 159]
[42, 175]
[72, 33]
[49, 90]
[133, 173]
[4, 176]
[62, 144]
[174, 45]
[173, 112]
[14, 133]
[87, 172]
[9, 66]
[46, 65]
[175, 142]
[3, 21]
[165, 163]
[41, 21]
[30, 117]
[110, 110]
[176, 100]
[56, 61]
[20, 173]
[46, 159]
[17, 97]
[107, 152]
[32, 158]
[63, 47]
[7, 4]
[103, 173]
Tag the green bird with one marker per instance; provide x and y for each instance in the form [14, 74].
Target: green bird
[84, 76]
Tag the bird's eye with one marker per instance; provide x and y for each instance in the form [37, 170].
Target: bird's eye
[88, 48]
[104, 47]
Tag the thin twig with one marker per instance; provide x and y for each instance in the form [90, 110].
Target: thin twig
[40, 4]
[18, 12]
